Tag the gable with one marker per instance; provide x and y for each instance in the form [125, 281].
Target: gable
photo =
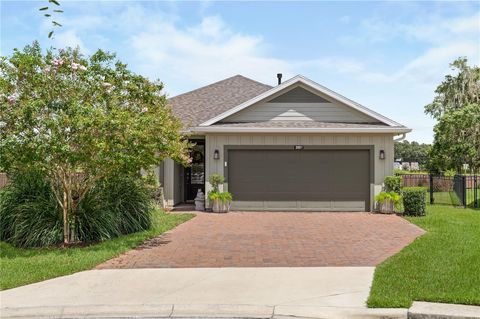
[299, 103]
[298, 95]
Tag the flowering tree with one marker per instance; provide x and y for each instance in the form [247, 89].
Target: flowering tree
[79, 120]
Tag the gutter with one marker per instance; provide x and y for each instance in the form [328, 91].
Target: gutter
[213, 129]
[401, 138]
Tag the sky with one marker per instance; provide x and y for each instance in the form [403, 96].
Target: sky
[388, 56]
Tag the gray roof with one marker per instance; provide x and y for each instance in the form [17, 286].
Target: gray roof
[200, 105]
[300, 124]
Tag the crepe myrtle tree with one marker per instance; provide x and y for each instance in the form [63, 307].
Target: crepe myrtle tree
[81, 119]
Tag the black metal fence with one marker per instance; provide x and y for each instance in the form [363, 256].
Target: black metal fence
[458, 190]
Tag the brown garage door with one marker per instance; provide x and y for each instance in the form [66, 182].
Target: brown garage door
[309, 179]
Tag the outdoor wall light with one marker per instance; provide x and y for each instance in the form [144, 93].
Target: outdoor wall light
[298, 147]
[216, 154]
[382, 154]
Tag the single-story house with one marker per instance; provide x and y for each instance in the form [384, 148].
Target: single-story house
[297, 146]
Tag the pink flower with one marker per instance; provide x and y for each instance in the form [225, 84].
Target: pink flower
[106, 84]
[185, 158]
[47, 69]
[145, 110]
[57, 62]
[12, 99]
[82, 67]
[74, 66]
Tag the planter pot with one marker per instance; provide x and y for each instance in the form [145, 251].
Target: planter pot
[387, 207]
[219, 206]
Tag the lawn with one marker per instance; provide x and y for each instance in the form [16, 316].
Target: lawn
[441, 266]
[451, 198]
[24, 266]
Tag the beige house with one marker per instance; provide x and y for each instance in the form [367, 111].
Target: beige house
[297, 146]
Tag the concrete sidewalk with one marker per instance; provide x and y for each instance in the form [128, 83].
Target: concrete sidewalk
[192, 292]
[277, 293]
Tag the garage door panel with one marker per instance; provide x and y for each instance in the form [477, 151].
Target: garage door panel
[322, 176]
[299, 205]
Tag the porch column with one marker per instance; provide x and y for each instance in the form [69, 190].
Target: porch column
[168, 181]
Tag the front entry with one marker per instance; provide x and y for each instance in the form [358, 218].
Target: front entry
[195, 173]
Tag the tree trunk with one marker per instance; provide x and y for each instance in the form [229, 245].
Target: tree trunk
[66, 224]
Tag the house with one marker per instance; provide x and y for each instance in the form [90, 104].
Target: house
[297, 146]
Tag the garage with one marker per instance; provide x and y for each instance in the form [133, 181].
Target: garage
[298, 178]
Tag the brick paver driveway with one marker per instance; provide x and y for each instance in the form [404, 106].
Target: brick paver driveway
[274, 239]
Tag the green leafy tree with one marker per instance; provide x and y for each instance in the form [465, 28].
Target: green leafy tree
[412, 152]
[79, 120]
[456, 107]
[457, 139]
[456, 91]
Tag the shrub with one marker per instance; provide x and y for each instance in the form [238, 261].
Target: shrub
[216, 180]
[29, 213]
[31, 217]
[393, 184]
[414, 201]
[224, 197]
[116, 206]
[387, 201]
[383, 196]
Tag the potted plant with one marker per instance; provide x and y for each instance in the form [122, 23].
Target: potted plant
[221, 201]
[386, 202]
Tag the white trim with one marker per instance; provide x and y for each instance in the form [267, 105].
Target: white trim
[231, 129]
[314, 85]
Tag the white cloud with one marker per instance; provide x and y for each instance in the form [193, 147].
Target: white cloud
[202, 53]
[69, 38]
[434, 62]
[186, 56]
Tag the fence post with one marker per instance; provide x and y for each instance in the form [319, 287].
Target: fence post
[464, 186]
[431, 189]
[475, 200]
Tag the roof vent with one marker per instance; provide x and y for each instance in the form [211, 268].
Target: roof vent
[279, 77]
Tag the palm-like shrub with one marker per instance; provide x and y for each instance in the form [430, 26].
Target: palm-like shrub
[29, 213]
[31, 217]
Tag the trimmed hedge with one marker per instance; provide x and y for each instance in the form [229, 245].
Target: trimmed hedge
[393, 184]
[414, 201]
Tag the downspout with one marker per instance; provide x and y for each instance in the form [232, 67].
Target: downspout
[401, 138]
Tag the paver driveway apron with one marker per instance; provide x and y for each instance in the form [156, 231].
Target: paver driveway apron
[274, 239]
[272, 243]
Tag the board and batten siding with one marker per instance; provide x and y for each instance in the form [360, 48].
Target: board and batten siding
[300, 103]
[382, 168]
[322, 112]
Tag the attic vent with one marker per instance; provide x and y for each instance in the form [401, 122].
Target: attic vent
[298, 95]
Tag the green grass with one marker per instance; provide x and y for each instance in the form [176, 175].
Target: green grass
[441, 266]
[24, 266]
[451, 198]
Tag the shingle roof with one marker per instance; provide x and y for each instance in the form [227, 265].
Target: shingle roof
[300, 124]
[202, 104]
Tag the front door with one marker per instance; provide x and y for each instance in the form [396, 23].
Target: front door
[195, 173]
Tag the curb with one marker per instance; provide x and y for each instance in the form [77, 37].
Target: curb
[431, 310]
[419, 310]
[162, 311]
